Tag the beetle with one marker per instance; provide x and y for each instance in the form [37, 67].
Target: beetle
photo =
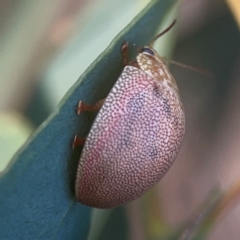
[136, 135]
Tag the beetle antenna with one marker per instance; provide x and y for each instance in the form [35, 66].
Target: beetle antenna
[163, 32]
[195, 69]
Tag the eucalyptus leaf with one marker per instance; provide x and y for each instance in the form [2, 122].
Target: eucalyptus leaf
[37, 188]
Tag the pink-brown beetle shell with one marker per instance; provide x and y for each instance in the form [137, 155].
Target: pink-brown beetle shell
[135, 137]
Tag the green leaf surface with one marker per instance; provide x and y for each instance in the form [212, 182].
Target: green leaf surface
[37, 188]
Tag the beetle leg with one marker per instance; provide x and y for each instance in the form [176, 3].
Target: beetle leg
[83, 107]
[77, 141]
[125, 53]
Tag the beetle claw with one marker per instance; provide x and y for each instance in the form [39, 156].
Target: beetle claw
[77, 141]
[83, 107]
[80, 108]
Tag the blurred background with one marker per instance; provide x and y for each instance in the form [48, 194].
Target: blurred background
[45, 47]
